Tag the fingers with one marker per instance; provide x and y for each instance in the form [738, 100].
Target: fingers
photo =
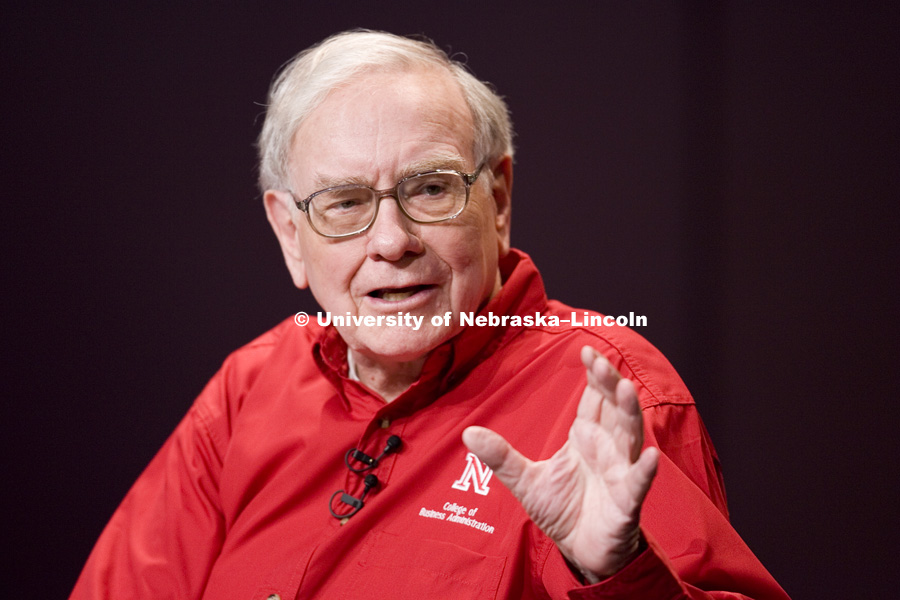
[601, 383]
[612, 402]
[494, 451]
[629, 419]
[642, 473]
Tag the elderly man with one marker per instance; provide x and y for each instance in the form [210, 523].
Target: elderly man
[369, 457]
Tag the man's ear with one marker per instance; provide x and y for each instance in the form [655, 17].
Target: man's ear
[502, 191]
[278, 211]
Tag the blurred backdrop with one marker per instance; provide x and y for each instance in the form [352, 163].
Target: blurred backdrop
[729, 170]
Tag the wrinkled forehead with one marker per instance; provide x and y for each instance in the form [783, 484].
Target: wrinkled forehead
[383, 114]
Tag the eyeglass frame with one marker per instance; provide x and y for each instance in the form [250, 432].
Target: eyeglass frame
[468, 179]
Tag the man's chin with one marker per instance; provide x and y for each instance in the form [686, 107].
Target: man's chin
[397, 346]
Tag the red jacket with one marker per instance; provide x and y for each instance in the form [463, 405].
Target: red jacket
[236, 504]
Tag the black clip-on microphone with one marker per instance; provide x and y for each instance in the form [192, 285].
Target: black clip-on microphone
[355, 503]
[393, 443]
[369, 481]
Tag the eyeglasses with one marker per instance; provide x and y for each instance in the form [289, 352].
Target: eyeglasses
[430, 197]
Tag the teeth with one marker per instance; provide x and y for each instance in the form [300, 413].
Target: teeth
[395, 296]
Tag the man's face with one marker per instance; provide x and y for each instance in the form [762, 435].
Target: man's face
[381, 127]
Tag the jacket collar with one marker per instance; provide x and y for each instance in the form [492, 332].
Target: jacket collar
[522, 293]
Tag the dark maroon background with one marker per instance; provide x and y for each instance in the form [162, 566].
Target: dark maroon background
[729, 170]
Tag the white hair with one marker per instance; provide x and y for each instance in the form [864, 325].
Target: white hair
[304, 82]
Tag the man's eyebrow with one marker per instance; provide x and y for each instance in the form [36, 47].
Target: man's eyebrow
[453, 162]
[322, 182]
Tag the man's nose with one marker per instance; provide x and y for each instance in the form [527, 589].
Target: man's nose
[392, 235]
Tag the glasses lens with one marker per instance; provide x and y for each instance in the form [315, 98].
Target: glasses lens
[342, 210]
[433, 196]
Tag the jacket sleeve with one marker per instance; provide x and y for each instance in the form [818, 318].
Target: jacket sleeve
[164, 537]
[692, 551]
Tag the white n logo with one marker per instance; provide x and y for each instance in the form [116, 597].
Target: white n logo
[477, 473]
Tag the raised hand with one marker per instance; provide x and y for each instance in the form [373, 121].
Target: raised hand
[587, 497]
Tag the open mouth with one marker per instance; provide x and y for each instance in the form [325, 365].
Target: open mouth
[397, 294]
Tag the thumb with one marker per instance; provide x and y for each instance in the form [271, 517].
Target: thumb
[494, 451]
